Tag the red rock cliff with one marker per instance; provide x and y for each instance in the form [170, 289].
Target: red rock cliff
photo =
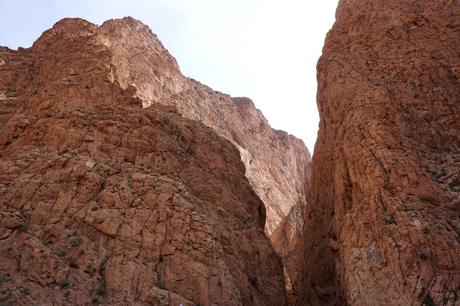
[277, 164]
[105, 202]
[383, 227]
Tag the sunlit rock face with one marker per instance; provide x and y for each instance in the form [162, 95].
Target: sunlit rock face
[383, 225]
[105, 202]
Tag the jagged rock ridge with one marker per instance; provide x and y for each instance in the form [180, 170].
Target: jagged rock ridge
[105, 202]
[383, 225]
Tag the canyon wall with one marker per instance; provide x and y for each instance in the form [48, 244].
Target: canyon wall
[105, 202]
[277, 164]
[383, 222]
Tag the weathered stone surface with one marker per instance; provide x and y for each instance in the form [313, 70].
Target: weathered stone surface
[383, 227]
[277, 164]
[275, 161]
[103, 201]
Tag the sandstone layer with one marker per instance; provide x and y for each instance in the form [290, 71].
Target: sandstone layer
[383, 226]
[105, 202]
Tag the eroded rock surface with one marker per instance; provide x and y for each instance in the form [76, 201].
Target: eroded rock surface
[383, 227]
[105, 202]
[277, 164]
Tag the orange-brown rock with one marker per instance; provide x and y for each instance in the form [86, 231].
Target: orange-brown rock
[383, 227]
[277, 164]
[105, 202]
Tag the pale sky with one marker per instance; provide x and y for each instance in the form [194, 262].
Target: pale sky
[262, 49]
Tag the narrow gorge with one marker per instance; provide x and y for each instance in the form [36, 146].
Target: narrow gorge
[123, 182]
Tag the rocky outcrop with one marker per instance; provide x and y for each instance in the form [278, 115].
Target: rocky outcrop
[105, 202]
[277, 164]
[383, 227]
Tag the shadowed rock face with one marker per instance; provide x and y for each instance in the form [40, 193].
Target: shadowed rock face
[103, 201]
[383, 227]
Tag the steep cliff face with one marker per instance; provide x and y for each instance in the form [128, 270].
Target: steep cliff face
[103, 201]
[277, 164]
[383, 227]
[275, 161]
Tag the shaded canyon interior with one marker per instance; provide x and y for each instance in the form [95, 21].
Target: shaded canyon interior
[123, 182]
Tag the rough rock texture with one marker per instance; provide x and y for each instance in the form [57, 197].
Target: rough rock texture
[277, 164]
[383, 227]
[103, 201]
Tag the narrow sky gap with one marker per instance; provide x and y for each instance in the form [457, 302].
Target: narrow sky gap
[262, 49]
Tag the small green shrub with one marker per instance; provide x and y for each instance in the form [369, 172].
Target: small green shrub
[439, 174]
[389, 220]
[75, 241]
[24, 227]
[24, 290]
[92, 271]
[65, 284]
[73, 264]
[254, 281]
[428, 301]
[445, 300]
[5, 278]
[63, 151]
[102, 288]
[423, 255]
[455, 185]
[11, 94]
[161, 284]
[59, 253]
